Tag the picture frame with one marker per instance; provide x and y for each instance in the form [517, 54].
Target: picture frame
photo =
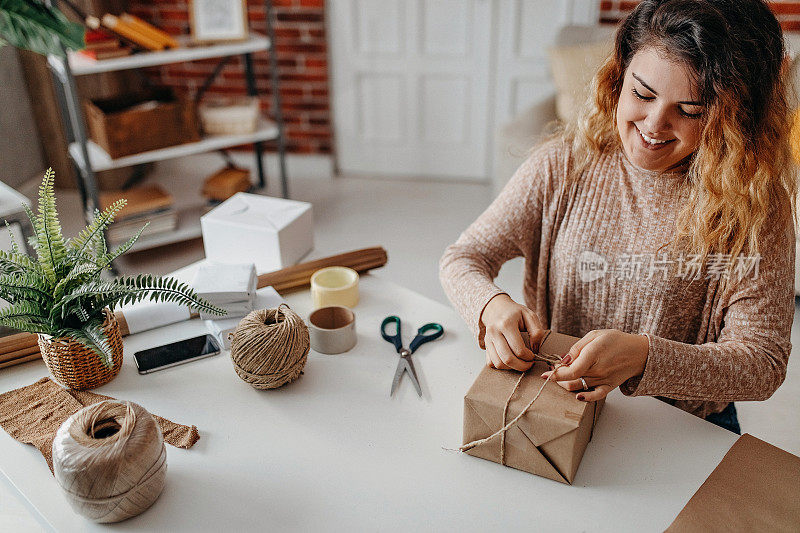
[215, 21]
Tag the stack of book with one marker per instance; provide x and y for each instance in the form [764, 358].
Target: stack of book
[138, 32]
[146, 203]
[115, 36]
[225, 183]
[101, 44]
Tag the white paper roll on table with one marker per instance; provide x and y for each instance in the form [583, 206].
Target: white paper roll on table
[110, 461]
[143, 316]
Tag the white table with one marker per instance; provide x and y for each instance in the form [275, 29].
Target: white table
[332, 451]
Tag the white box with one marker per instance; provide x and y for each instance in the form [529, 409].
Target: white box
[271, 232]
[266, 298]
[223, 283]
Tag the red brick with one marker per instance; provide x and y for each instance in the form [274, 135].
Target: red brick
[316, 63]
[174, 29]
[299, 48]
[173, 14]
[785, 8]
[287, 33]
[790, 25]
[308, 16]
[296, 76]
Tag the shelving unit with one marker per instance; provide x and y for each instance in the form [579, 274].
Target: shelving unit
[89, 158]
[99, 159]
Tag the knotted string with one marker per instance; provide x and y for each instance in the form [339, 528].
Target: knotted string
[552, 359]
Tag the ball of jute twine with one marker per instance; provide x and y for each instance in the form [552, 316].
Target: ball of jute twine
[110, 461]
[269, 347]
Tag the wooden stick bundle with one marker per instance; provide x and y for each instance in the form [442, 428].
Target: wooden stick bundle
[24, 347]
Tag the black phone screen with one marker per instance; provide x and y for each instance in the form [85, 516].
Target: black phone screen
[175, 353]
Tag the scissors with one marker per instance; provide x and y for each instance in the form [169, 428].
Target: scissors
[406, 364]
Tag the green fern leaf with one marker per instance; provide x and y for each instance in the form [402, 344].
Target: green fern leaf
[14, 263]
[52, 249]
[26, 286]
[35, 26]
[108, 258]
[88, 237]
[24, 315]
[92, 289]
[14, 245]
[80, 273]
[90, 335]
[169, 290]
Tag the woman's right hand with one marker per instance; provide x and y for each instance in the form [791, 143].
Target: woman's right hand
[504, 319]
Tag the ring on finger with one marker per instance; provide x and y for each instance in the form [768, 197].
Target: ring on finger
[583, 382]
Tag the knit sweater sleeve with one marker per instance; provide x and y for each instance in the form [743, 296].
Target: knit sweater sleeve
[510, 227]
[748, 360]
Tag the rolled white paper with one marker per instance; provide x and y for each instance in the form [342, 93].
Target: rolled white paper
[143, 316]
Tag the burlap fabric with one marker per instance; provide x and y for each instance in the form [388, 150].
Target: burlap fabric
[34, 413]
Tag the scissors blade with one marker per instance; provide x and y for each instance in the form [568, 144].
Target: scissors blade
[401, 367]
[412, 373]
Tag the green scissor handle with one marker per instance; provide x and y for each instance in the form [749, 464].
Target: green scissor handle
[427, 333]
[423, 336]
[395, 339]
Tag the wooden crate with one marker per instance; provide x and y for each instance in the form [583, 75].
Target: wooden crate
[139, 122]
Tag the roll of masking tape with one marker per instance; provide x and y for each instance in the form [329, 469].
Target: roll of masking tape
[335, 285]
[332, 329]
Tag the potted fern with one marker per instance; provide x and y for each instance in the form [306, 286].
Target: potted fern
[61, 296]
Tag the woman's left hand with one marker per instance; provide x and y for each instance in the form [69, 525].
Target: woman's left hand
[605, 359]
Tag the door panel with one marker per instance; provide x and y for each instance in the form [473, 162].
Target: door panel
[411, 82]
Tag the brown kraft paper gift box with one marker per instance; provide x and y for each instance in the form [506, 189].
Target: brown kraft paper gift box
[549, 440]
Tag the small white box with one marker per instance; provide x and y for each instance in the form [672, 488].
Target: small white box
[266, 298]
[223, 283]
[271, 232]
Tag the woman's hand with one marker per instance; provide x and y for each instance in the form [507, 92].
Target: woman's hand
[504, 319]
[605, 358]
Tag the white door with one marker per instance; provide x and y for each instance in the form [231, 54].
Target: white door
[411, 81]
[526, 31]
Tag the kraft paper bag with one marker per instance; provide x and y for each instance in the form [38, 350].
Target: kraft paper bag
[549, 440]
[756, 487]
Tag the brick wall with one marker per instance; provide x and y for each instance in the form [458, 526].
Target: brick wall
[788, 13]
[301, 48]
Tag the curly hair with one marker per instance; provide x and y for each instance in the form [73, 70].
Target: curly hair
[741, 175]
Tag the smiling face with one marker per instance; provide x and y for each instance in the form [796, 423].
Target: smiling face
[659, 116]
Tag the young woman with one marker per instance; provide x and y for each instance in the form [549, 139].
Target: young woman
[660, 227]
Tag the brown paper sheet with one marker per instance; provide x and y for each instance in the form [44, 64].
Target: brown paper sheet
[756, 487]
[33, 414]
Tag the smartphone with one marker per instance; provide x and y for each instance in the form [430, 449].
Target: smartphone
[175, 353]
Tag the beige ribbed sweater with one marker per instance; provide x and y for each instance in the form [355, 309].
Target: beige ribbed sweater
[710, 343]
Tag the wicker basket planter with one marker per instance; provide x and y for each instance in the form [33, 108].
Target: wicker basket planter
[78, 367]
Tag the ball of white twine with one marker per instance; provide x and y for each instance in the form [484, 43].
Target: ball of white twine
[109, 459]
